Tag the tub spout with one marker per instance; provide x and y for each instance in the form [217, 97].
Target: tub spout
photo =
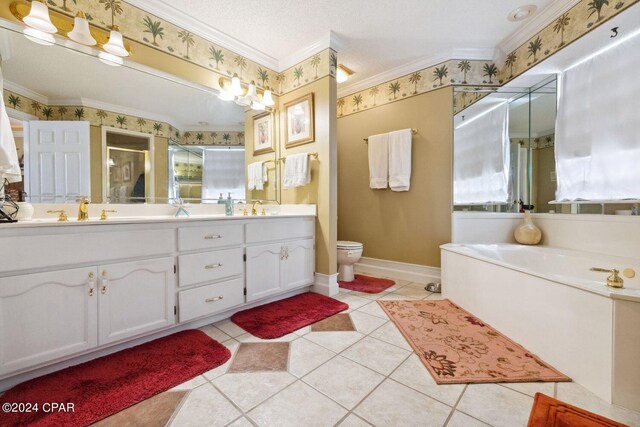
[613, 281]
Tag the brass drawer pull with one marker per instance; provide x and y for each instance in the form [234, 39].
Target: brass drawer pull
[214, 299]
[90, 292]
[210, 266]
[212, 236]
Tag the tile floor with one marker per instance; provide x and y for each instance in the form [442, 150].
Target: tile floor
[354, 369]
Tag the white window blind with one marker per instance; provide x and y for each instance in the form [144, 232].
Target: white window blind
[222, 172]
[481, 153]
[598, 127]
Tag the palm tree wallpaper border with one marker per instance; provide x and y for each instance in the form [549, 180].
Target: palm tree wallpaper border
[561, 32]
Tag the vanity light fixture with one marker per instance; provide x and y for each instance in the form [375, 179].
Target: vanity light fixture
[39, 37]
[343, 73]
[80, 33]
[109, 59]
[115, 45]
[38, 18]
[521, 13]
[236, 87]
[252, 95]
[267, 99]
[251, 98]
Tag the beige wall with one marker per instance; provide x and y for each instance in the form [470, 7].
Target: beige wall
[404, 226]
[322, 190]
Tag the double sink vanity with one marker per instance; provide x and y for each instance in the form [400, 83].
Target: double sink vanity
[68, 289]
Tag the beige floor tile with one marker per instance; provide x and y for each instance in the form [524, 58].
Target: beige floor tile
[205, 406]
[344, 381]
[458, 419]
[412, 292]
[298, 405]
[241, 422]
[155, 411]
[353, 301]
[377, 355]
[495, 405]
[414, 374]
[435, 296]
[215, 333]
[396, 297]
[305, 356]
[576, 395]
[232, 345]
[370, 296]
[191, 384]
[303, 331]
[261, 357]
[230, 328]
[337, 322]
[249, 389]
[366, 323]
[390, 333]
[334, 341]
[354, 421]
[392, 404]
[373, 309]
[532, 388]
[251, 338]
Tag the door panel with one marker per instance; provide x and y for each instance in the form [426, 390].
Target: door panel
[298, 265]
[263, 270]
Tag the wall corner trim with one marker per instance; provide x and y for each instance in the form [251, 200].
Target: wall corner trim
[326, 284]
[399, 270]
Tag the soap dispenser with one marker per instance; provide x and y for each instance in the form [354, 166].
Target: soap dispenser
[221, 200]
[228, 206]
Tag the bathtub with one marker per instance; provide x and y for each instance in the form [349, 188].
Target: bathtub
[549, 301]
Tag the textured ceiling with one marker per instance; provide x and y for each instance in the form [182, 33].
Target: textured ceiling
[378, 35]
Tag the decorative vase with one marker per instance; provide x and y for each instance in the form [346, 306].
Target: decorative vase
[25, 211]
[527, 233]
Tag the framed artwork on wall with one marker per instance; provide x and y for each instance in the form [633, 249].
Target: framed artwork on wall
[299, 124]
[263, 134]
[126, 172]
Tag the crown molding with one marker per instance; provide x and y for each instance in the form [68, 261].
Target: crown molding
[531, 27]
[99, 105]
[217, 128]
[21, 90]
[331, 41]
[163, 10]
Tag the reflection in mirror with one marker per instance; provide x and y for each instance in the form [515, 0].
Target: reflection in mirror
[88, 129]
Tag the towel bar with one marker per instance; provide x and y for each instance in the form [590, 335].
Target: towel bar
[413, 131]
[312, 155]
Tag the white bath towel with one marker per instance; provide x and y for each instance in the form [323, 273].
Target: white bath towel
[400, 160]
[9, 164]
[256, 175]
[297, 171]
[379, 161]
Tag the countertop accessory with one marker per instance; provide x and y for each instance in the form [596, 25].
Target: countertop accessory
[613, 281]
[63, 215]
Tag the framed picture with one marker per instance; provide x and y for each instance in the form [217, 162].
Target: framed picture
[263, 134]
[126, 172]
[299, 124]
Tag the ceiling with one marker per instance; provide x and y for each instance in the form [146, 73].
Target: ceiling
[66, 77]
[377, 35]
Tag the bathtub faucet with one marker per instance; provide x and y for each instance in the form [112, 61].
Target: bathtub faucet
[613, 281]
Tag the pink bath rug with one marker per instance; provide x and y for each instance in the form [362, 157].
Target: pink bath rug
[458, 348]
[369, 285]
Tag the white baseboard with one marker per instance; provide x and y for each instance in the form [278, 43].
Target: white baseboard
[399, 270]
[326, 284]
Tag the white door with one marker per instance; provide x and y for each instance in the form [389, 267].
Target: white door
[135, 298]
[58, 169]
[46, 316]
[298, 264]
[263, 270]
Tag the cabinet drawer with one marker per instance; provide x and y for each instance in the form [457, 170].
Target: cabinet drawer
[265, 231]
[210, 266]
[213, 236]
[210, 299]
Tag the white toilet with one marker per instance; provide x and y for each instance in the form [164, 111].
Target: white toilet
[348, 254]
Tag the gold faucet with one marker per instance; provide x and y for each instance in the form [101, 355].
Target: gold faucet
[254, 211]
[83, 209]
[103, 215]
[62, 217]
[613, 281]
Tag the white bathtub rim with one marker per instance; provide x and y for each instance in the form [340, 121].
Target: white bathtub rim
[465, 249]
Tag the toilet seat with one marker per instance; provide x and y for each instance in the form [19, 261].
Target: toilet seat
[344, 244]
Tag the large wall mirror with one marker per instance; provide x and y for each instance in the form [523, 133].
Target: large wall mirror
[118, 134]
[559, 138]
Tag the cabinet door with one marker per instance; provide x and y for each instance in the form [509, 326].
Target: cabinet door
[135, 298]
[263, 270]
[298, 264]
[46, 316]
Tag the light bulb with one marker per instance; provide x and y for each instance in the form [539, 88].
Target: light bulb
[225, 95]
[267, 99]
[81, 33]
[258, 106]
[252, 95]
[39, 37]
[38, 18]
[115, 45]
[109, 59]
[236, 87]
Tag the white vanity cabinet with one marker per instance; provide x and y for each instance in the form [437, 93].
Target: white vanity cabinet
[279, 266]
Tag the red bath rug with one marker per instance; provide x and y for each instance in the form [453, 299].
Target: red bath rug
[370, 285]
[458, 348]
[282, 317]
[104, 386]
[550, 412]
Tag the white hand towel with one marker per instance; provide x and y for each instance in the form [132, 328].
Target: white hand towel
[400, 160]
[379, 161]
[256, 175]
[9, 164]
[297, 171]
